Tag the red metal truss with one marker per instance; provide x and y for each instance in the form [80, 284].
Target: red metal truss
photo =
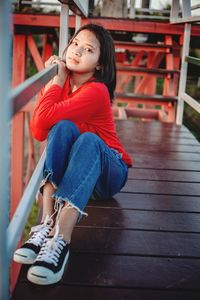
[138, 68]
[17, 149]
[127, 25]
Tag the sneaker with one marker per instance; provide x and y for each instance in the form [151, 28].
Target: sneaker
[49, 265]
[28, 252]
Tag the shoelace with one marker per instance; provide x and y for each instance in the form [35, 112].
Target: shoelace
[40, 232]
[52, 248]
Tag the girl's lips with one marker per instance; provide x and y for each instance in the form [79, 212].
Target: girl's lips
[73, 60]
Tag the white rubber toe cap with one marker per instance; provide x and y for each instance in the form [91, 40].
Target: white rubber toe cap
[24, 256]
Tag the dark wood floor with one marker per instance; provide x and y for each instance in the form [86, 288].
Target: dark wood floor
[145, 242]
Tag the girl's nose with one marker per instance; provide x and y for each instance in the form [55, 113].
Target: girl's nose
[77, 52]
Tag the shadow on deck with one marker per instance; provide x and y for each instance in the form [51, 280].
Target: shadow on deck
[145, 242]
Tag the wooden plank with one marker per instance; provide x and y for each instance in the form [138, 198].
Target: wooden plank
[30, 291]
[169, 155]
[144, 147]
[162, 188]
[152, 202]
[154, 126]
[149, 272]
[154, 135]
[142, 220]
[133, 242]
[164, 175]
[138, 132]
[167, 164]
[154, 132]
[157, 140]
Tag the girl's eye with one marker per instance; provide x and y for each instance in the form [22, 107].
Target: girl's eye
[74, 43]
[88, 49]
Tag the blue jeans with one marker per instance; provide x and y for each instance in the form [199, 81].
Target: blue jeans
[81, 165]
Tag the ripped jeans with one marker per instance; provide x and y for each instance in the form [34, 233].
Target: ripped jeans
[81, 165]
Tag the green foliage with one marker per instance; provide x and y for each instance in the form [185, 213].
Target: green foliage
[31, 70]
[191, 117]
[32, 220]
[159, 86]
[193, 90]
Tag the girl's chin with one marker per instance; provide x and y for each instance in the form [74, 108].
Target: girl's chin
[72, 68]
[78, 71]
[69, 66]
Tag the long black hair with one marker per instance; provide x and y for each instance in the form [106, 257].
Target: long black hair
[107, 72]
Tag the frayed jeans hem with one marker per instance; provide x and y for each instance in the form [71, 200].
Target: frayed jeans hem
[81, 213]
[46, 179]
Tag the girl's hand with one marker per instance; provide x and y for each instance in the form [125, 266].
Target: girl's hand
[63, 72]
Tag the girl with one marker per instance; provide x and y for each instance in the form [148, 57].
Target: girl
[84, 157]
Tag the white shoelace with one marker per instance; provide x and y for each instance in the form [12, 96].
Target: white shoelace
[52, 248]
[40, 232]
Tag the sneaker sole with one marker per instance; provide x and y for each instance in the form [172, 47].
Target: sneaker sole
[35, 274]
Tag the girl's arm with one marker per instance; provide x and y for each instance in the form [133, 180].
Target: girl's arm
[62, 75]
[59, 80]
[80, 107]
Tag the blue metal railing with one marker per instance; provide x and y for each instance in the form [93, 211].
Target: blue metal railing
[5, 110]
[21, 95]
[11, 103]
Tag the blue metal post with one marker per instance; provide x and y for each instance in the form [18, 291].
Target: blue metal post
[5, 106]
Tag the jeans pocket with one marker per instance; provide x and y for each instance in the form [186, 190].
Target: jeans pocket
[116, 153]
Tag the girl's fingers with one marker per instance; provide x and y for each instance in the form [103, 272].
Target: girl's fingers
[54, 59]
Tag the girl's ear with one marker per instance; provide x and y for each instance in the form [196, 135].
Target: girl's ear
[98, 67]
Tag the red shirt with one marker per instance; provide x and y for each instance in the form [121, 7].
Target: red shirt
[88, 107]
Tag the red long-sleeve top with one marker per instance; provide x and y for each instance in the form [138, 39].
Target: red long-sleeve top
[88, 107]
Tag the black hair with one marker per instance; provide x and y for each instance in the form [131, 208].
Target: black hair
[107, 71]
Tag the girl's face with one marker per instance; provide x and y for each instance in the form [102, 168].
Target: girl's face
[83, 53]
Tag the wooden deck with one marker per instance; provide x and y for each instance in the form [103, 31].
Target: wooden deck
[145, 242]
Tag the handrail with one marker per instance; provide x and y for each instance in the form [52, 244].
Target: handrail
[4, 149]
[79, 7]
[193, 60]
[21, 95]
[192, 102]
[16, 99]
[196, 6]
[18, 221]
[187, 19]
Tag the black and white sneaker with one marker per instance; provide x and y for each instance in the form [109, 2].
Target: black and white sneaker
[28, 252]
[50, 263]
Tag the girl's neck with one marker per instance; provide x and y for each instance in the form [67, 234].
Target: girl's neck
[76, 80]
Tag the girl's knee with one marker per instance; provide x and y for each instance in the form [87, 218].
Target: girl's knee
[64, 126]
[89, 141]
[89, 138]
